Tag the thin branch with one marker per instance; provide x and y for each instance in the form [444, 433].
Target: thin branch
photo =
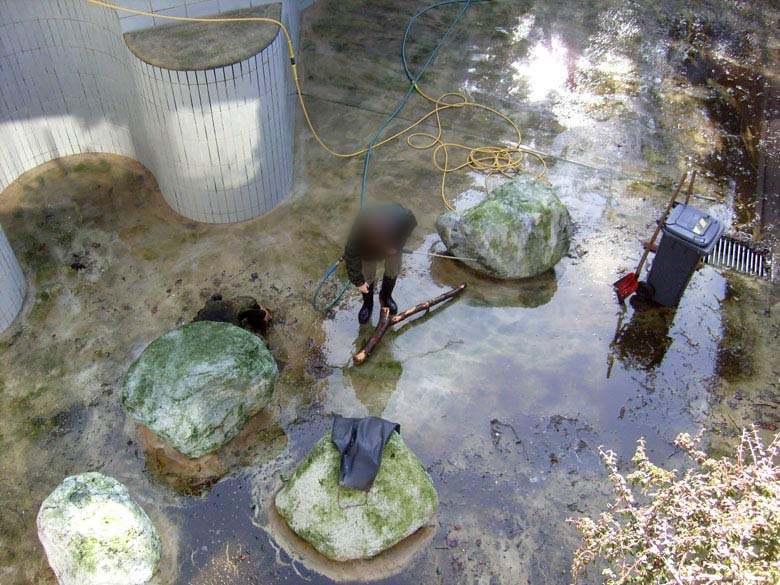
[386, 321]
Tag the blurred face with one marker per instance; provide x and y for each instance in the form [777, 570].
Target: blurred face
[377, 232]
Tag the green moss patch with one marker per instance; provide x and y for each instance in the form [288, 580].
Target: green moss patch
[196, 386]
[345, 524]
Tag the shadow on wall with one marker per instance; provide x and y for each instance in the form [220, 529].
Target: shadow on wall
[219, 141]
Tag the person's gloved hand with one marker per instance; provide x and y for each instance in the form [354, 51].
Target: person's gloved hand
[363, 288]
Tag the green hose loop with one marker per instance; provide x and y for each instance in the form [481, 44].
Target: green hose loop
[324, 279]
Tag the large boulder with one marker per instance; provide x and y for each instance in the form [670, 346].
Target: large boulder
[196, 386]
[520, 230]
[95, 534]
[344, 524]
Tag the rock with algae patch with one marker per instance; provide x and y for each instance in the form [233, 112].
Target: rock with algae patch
[198, 385]
[520, 230]
[344, 524]
[95, 534]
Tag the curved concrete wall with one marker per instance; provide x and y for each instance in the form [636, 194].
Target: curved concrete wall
[219, 142]
[13, 287]
[191, 8]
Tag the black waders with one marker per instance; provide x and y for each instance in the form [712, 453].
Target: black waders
[364, 316]
[386, 294]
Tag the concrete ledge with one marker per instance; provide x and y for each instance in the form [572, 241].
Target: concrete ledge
[206, 45]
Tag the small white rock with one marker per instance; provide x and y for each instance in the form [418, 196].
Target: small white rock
[95, 534]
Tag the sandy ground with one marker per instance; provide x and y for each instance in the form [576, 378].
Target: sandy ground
[505, 394]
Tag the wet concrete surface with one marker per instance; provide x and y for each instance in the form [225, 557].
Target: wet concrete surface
[505, 393]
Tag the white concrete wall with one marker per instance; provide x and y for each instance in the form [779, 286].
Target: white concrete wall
[192, 8]
[12, 285]
[64, 84]
[219, 142]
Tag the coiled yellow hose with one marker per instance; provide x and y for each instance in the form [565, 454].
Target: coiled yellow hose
[489, 160]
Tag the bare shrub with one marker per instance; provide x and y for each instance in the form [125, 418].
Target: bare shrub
[717, 523]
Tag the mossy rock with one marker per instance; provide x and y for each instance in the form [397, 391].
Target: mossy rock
[197, 386]
[520, 230]
[94, 533]
[344, 524]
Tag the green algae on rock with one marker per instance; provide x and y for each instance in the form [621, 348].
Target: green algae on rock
[520, 230]
[344, 524]
[198, 385]
[94, 533]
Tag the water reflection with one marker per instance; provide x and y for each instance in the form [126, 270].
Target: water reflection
[744, 100]
[546, 69]
[642, 343]
[483, 291]
[260, 440]
[375, 380]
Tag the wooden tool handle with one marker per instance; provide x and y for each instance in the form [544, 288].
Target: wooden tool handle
[690, 187]
[660, 224]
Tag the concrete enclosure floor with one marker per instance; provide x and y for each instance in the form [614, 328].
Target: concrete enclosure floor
[506, 393]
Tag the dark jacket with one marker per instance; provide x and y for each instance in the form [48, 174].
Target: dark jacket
[375, 230]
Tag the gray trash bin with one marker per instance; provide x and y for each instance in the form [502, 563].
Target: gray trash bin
[688, 235]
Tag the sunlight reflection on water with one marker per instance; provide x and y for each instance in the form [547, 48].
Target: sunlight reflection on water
[546, 70]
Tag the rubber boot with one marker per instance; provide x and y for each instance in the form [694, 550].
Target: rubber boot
[386, 294]
[364, 316]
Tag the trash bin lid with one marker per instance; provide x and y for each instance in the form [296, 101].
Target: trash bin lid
[693, 228]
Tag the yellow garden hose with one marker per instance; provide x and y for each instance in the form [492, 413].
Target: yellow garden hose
[489, 160]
